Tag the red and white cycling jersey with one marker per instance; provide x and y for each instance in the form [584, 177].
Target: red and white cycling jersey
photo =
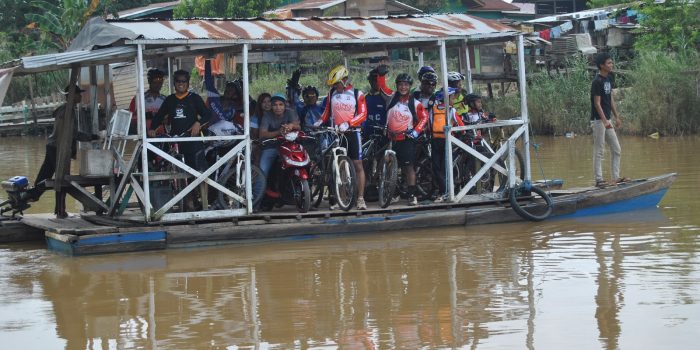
[399, 118]
[343, 106]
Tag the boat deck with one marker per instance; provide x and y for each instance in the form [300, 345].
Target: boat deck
[95, 234]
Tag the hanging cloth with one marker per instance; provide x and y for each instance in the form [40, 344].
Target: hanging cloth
[583, 26]
[544, 34]
[601, 24]
[556, 32]
[566, 26]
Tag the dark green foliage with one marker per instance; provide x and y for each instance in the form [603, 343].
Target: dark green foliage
[671, 26]
[223, 8]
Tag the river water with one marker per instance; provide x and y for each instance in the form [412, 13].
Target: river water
[622, 281]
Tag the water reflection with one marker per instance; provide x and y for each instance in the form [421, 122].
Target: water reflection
[627, 280]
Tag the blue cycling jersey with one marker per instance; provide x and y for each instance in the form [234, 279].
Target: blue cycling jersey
[376, 113]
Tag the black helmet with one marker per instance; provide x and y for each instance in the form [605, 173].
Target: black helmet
[154, 73]
[236, 84]
[429, 76]
[423, 70]
[373, 74]
[404, 77]
[471, 98]
[308, 89]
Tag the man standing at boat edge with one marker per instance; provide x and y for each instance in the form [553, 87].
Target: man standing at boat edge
[602, 109]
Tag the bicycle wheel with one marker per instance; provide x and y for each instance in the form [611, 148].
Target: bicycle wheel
[535, 212]
[425, 182]
[302, 194]
[344, 185]
[230, 181]
[519, 168]
[316, 184]
[387, 179]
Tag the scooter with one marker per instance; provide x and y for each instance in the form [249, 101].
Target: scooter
[292, 174]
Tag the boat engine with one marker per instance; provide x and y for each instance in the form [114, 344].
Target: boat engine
[17, 189]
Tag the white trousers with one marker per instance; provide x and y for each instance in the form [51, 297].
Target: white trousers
[602, 136]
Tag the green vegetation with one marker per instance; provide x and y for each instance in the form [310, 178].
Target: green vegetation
[224, 8]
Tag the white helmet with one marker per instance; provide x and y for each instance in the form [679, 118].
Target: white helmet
[454, 76]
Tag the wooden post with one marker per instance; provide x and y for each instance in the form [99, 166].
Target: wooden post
[32, 110]
[107, 81]
[64, 144]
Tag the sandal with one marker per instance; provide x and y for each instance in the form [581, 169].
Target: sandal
[622, 180]
[601, 184]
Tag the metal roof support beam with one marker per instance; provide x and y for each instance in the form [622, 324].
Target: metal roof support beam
[421, 61]
[522, 82]
[465, 65]
[443, 67]
[141, 111]
[246, 131]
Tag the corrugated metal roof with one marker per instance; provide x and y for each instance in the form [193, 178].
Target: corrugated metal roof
[53, 61]
[316, 30]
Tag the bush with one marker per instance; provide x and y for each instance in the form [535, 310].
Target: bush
[556, 105]
[663, 96]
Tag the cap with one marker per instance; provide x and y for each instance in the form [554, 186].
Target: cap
[279, 97]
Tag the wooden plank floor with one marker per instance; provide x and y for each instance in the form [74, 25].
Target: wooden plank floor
[73, 224]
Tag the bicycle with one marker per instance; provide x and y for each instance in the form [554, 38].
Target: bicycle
[333, 170]
[232, 176]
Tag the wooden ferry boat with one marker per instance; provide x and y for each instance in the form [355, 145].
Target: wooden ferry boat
[157, 227]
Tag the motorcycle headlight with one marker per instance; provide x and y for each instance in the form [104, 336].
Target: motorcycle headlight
[293, 162]
[291, 136]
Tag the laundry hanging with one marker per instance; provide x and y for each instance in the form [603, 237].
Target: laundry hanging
[566, 26]
[544, 34]
[556, 32]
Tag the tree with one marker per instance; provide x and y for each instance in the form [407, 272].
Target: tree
[429, 6]
[670, 26]
[61, 22]
[223, 8]
[594, 4]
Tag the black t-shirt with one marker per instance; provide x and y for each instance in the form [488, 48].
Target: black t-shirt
[602, 86]
[182, 112]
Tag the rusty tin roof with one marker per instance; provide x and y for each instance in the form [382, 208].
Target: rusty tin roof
[387, 29]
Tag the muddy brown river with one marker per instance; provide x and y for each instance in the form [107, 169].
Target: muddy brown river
[620, 281]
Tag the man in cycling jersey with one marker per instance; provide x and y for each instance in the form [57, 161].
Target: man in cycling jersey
[406, 119]
[347, 110]
[376, 103]
[305, 101]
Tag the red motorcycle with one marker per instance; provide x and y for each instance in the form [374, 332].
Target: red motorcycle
[292, 174]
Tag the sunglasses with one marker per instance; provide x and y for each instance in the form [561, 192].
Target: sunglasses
[178, 81]
[429, 83]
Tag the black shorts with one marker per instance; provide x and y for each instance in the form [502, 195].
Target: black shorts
[353, 143]
[405, 152]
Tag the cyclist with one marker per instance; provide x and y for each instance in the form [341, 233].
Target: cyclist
[152, 97]
[406, 119]
[346, 108]
[454, 80]
[475, 113]
[426, 93]
[376, 103]
[441, 115]
[187, 113]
